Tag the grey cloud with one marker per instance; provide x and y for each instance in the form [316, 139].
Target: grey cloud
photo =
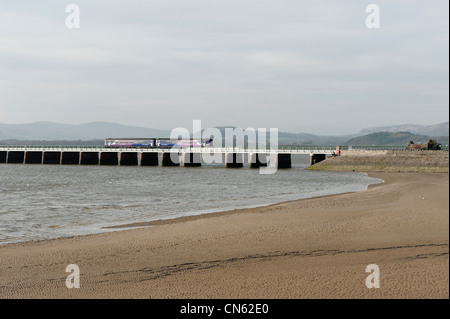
[247, 63]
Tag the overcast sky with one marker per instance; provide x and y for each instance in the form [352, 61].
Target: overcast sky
[300, 66]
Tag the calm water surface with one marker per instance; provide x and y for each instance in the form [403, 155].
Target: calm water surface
[46, 201]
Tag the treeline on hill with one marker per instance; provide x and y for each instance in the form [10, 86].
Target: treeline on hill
[395, 138]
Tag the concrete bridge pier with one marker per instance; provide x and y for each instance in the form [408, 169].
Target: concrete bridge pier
[170, 159]
[192, 159]
[316, 158]
[15, 157]
[89, 158]
[52, 158]
[3, 156]
[128, 159]
[258, 159]
[283, 160]
[70, 158]
[109, 158]
[234, 160]
[33, 157]
[149, 159]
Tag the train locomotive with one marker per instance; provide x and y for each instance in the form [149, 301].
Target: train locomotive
[156, 143]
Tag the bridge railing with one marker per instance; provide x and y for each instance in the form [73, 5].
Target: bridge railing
[374, 147]
[47, 147]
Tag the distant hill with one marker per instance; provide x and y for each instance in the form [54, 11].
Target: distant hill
[393, 138]
[49, 133]
[305, 139]
[441, 129]
[54, 131]
[296, 139]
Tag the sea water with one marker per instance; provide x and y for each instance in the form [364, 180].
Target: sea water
[53, 201]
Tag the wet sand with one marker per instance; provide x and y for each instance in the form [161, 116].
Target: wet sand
[311, 248]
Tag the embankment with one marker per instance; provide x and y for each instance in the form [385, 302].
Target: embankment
[387, 161]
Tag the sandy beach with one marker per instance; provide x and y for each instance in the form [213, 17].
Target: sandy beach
[312, 248]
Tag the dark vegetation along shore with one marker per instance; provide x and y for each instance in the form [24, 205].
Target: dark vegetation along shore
[387, 161]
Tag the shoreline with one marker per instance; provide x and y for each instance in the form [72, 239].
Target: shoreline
[309, 248]
[226, 212]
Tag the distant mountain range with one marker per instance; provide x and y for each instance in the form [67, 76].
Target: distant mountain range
[428, 130]
[46, 133]
[89, 131]
[394, 138]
